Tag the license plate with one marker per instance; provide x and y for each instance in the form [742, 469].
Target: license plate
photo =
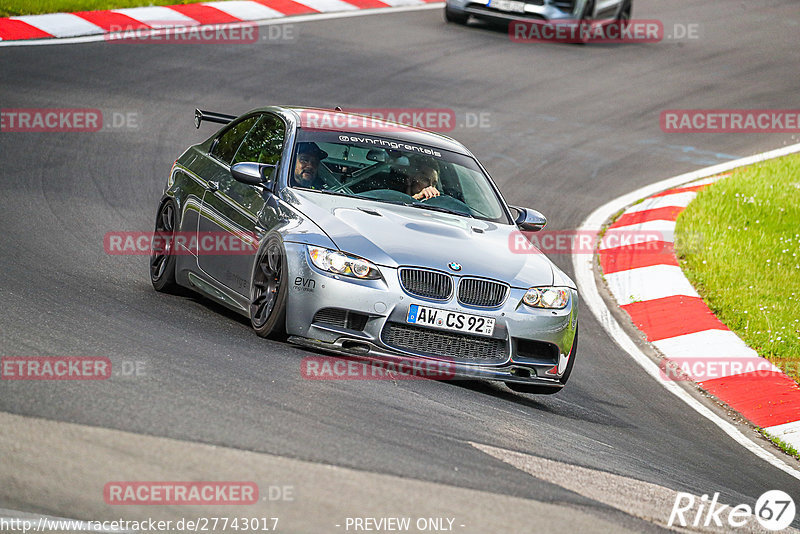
[508, 5]
[450, 320]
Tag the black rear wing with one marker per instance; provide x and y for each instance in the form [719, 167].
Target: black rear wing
[210, 116]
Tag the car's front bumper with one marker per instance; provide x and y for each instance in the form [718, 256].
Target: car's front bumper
[529, 345]
[482, 9]
[451, 371]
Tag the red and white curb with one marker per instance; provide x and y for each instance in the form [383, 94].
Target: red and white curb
[648, 284]
[650, 287]
[100, 23]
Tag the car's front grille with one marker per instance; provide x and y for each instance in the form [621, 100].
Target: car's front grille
[482, 293]
[450, 345]
[426, 284]
[341, 318]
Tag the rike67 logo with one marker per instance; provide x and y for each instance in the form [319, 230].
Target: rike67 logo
[774, 510]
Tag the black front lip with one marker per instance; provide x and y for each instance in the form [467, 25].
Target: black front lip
[461, 371]
[484, 12]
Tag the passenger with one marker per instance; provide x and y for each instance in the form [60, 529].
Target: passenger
[423, 180]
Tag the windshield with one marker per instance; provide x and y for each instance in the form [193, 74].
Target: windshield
[397, 172]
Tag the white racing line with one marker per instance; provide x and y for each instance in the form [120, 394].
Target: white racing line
[584, 275]
[636, 498]
[289, 19]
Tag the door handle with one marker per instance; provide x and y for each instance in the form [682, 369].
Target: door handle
[212, 186]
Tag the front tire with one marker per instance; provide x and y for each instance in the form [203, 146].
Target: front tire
[585, 23]
[162, 251]
[268, 290]
[625, 14]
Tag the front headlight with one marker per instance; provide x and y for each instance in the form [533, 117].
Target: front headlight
[553, 298]
[337, 262]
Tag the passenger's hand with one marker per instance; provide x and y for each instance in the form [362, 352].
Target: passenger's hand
[428, 192]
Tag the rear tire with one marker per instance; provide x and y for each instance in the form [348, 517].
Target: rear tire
[268, 290]
[545, 390]
[162, 251]
[455, 17]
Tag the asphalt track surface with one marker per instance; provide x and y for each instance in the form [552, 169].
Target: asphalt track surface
[571, 127]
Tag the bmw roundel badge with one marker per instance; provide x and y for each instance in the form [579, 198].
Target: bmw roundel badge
[454, 266]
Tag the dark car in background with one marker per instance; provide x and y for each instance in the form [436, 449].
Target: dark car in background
[554, 11]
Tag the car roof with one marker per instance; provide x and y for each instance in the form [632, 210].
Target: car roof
[327, 119]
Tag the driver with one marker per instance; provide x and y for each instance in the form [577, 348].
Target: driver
[423, 180]
[306, 166]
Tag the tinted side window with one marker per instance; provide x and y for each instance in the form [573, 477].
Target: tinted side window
[230, 140]
[264, 143]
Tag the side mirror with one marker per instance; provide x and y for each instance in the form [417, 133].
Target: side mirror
[529, 220]
[251, 173]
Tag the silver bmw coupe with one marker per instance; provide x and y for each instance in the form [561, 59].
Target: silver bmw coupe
[366, 238]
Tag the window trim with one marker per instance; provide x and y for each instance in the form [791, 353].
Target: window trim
[263, 114]
[226, 130]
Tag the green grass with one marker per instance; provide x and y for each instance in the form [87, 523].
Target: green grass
[9, 8]
[739, 245]
[785, 447]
